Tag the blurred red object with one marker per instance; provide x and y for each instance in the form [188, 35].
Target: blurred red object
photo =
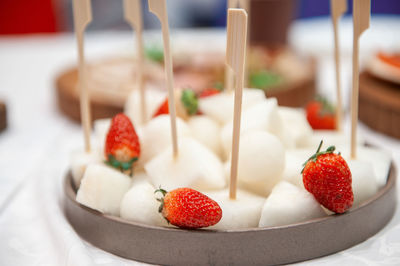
[27, 16]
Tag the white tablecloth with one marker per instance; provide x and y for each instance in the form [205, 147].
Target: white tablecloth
[34, 150]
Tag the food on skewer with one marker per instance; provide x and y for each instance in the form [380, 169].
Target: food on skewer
[200, 166]
[156, 136]
[262, 161]
[206, 131]
[196, 167]
[242, 212]
[261, 116]
[220, 106]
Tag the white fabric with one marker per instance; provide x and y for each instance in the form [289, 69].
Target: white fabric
[34, 151]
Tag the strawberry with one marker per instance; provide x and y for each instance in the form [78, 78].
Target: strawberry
[163, 109]
[209, 92]
[122, 147]
[327, 176]
[321, 115]
[188, 208]
[186, 104]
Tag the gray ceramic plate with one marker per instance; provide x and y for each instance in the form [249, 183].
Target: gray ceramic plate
[272, 245]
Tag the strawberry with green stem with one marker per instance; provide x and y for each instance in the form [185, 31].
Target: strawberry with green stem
[321, 114]
[186, 104]
[327, 176]
[188, 208]
[122, 147]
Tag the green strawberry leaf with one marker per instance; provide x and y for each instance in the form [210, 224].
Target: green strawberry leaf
[264, 79]
[327, 107]
[112, 161]
[219, 86]
[155, 53]
[190, 102]
[315, 156]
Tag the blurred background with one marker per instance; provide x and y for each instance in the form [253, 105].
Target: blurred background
[50, 16]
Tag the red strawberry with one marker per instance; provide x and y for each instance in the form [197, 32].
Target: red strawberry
[186, 104]
[321, 115]
[188, 208]
[327, 176]
[209, 92]
[122, 147]
[162, 109]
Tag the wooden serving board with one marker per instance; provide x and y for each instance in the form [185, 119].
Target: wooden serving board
[68, 99]
[253, 246]
[294, 94]
[3, 116]
[379, 104]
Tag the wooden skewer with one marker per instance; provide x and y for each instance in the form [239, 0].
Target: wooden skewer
[133, 15]
[361, 18]
[235, 58]
[245, 4]
[338, 8]
[158, 8]
[82, 17]
[228, 71]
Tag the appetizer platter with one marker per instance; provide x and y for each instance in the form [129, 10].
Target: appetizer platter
[223, 176]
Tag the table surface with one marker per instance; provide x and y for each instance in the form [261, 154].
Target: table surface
[34, 150]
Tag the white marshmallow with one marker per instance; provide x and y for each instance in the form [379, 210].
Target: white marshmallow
[295, 124]
[156, 136]
[261, 160]
[154, 98]
[243, 212]
[195, 167]
[294, 165]
[102, 188]
[220, 106]
[330, 137]
[139, 177]
[263, 116]
[289, 204]
[140, 204]
[364, 182]
[380, 160]
[207, 132]
[79, 160]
